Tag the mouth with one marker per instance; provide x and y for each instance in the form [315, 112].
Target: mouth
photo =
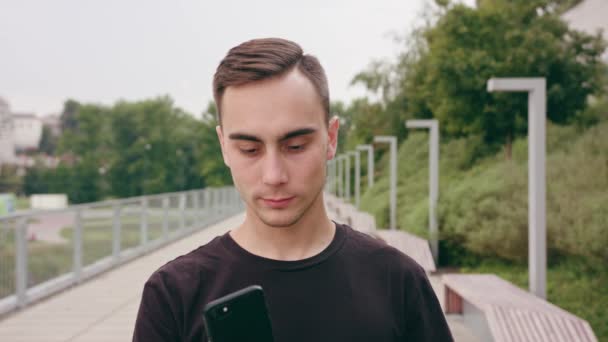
[277, 203]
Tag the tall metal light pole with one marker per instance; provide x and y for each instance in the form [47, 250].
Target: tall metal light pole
[370, 163]
[347, 177]
[537, 120]
[329, 175]
[336, 178]
[433, 125]
[147, 148]
[340, 182]
[357, 175]
[392, 140]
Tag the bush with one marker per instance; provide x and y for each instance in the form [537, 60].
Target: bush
[484, 208]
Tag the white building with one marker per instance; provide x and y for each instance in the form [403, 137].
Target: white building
[18, 132]
[27, 131]
[7, 146]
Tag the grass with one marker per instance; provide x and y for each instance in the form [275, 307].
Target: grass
[483, 212]
[22, 203]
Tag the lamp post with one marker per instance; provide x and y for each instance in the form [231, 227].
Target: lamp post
[433, 126]
[346, 177]
[340, 181]
[357, 176]
[537, 118]
[147, 148]
[392, 141]
[370, 163]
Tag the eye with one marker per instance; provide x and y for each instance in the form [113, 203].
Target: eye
[295, 148]
[248, 151]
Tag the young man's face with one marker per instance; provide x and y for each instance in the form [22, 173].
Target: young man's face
[276, 143]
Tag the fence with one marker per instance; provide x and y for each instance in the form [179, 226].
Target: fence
[46, 251]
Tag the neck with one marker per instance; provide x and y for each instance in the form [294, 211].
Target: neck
[307, 237]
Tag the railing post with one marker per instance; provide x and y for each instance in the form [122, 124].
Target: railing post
[21, 277]
[166, 218]
[78, 245]
[116, 233]
[207, 204]
[217, 193]
[220, 202]
[143, 227]
[195, 204]
[192, 211]
[182, 212]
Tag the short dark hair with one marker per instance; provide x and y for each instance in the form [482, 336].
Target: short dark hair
[260, 59]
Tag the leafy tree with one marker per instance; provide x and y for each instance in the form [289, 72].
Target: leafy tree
[501, 38]
[68, 119]
[444, 67]
[213, 169]
[48, 141]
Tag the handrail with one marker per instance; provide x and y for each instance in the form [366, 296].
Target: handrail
[118, 221]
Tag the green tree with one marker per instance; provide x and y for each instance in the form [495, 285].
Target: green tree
[48, 141]
[213, 169]
[501, 38]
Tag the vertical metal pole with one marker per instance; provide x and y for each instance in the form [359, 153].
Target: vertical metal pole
[78, 245]
[198, 206]
[347, 177]
[537, 230]
[357, 179]
[211, 206]
[370, 167]
[434, 190]
[193, 212]
[340, 188]
[217, 193]
[166, 218]
[182, 211]
[392, 141]
[537, 190]
[21, 269]
[206, 204]
[143, 225]
[116, 233]
[334, 176]
[327, 176]
[370, 163]
[433, 125]
[356, 154]
[394, 184]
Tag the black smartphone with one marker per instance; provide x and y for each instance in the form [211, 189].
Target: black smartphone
[238, 317]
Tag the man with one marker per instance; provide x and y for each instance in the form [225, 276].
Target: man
[323, 281]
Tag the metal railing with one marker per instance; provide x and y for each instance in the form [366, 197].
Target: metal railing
[46, 251]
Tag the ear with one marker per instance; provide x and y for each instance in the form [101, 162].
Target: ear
[220, 137]
[332, 137]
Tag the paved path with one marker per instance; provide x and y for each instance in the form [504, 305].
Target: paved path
[104, 308]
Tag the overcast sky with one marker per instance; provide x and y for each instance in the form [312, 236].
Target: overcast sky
[102, 51]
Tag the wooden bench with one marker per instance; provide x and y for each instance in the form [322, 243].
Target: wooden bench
[499, 311]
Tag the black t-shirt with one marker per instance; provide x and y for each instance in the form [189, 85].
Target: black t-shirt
[357, 289]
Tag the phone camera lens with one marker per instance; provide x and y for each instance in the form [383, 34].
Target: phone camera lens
[225, 309]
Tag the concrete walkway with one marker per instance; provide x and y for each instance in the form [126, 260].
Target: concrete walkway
[104, 309]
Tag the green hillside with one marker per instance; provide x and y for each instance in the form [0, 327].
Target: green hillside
[483, 210]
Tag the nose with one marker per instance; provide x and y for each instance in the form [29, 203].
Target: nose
[274, 170]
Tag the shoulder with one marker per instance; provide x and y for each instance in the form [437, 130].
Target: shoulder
[376, 250]
[188, 268]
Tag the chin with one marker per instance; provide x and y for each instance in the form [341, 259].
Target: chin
[279, 220]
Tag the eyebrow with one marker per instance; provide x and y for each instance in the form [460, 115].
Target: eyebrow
[287, 136]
